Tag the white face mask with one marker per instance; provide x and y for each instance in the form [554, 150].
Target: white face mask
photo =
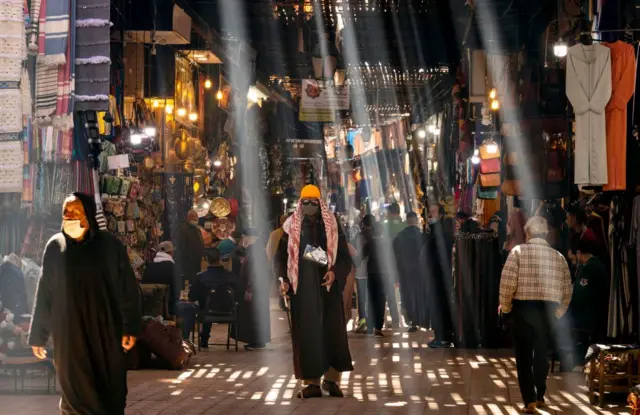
[73, 228]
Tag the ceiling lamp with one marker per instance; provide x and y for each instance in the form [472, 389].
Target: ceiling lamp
[493, 94]
[169, 109]
[193, 117]
[136, 139]
[560, 48]
[219, 95]
[422, 133]
[208, 84]
[495, 105]
[181, 112]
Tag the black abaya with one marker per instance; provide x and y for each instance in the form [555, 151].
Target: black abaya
[318, 332]
[407, 247]
[87, 299]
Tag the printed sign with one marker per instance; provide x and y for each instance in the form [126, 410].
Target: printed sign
[319, 103]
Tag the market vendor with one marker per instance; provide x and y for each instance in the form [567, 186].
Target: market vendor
[314, 283]
[87, 301]
[190, 248]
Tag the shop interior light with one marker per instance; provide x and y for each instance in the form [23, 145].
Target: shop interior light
[217, 163]
[431, 128]
[492, 148]
[493, 93]
[169, 109]
[560, 48]
[219, 95]
[476, 157]
[193, 117]
[156, 103]
[136, 139]
[422, 133]
[208, 84]
[252, 95]
[436, 131]
[495, 105]
[181, 112]
[150, 131]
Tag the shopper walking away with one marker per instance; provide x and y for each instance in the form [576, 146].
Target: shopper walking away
[393, 226]
[190, 248]
[377, 295]
[254, 322]
[407, 248]
[163, 271]
[362, 291]
[437, 259]
[316, 255]
[88, 302]
[535, 289]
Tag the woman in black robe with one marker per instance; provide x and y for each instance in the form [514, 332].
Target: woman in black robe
[87, 301]
[318, 327]
[254, 323]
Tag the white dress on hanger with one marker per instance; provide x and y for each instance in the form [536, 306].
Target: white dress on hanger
[589, 90]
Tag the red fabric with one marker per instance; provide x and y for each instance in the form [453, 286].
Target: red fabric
[293, 226]
[588, 235]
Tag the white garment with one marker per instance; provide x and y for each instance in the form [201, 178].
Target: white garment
[163, 257]
[589, 91]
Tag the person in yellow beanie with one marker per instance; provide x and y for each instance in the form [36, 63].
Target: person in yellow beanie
[314, 256]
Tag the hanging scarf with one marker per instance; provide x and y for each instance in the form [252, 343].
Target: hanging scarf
[54, 32]
[293, 227]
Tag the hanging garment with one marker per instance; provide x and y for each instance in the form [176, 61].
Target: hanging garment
[589, 90]
[620, 323]
[623, 68]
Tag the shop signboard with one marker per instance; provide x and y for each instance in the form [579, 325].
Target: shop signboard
[305, 148]
[319, 103]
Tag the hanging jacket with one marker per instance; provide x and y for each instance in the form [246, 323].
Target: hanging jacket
[589, 90]
[623, 71]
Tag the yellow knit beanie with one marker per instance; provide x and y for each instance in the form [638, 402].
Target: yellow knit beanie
[310, 192]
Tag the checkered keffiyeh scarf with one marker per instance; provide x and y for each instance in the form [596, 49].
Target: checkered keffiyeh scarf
[293, 228]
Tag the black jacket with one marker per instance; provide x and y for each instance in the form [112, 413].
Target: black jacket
[164, 273]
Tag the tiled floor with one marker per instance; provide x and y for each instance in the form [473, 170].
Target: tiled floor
[397, 374]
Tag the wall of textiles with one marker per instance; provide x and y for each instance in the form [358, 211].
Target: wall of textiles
[55, 60]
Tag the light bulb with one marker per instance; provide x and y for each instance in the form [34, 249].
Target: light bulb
[436, 131]
[156, 104]
[252, 95]
[207, 84]
[431, 128]
[150, 131]
[136, 139]
[193, 117]
[217, 163]
[422, 133]
[495, 105]
[181, 112]
[492, 148]
[476, 157]
[169, 109]
[219, 95]
[560, 48]
[493, 93]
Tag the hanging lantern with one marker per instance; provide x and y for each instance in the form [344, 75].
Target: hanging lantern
[181, 147]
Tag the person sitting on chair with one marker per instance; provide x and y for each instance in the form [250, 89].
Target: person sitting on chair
[214, 276]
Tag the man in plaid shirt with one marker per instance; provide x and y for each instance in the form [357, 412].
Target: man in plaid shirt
[535, 287]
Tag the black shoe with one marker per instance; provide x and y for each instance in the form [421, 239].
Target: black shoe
[204, 344]
[251, 347]
[378, 333]
[412, 329]
[439, 344]
[311, 391]
[332, 388]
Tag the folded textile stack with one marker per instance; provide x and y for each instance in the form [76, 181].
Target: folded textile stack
[92, 55]
[12, 78]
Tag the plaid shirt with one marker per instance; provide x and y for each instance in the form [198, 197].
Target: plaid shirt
[536, 272]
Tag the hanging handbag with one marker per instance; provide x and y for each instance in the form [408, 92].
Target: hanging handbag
[490, 180]
[490, 166]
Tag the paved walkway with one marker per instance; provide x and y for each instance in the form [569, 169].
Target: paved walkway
[397, 374]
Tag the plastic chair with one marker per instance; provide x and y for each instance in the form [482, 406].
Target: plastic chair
[221, 308]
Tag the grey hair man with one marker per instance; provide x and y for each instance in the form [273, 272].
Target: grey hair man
[535, 289]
